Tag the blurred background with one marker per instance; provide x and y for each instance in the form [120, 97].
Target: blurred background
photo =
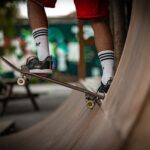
[16, 41]
[23, 106]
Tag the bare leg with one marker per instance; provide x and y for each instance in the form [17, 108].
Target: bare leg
[39, 24]
[37, 16]
[102, 34]
[104, 45]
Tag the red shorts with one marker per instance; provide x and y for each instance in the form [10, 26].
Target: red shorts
[86, 9]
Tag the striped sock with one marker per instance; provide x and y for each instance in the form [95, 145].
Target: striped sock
[41, 39]
[107, 62]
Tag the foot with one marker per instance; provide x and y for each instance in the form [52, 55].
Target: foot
[41, 67]
[104, 88]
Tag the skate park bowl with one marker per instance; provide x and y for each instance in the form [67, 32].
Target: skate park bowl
[122, 121]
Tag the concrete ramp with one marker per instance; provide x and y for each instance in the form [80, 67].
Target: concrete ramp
[122, 122]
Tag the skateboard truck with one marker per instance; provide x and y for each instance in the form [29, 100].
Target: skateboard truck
[24, 77]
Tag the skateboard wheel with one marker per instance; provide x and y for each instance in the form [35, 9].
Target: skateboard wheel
[90, 104]
[21, 81]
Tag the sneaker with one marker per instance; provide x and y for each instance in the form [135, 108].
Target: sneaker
[35, 66]
[104, 88]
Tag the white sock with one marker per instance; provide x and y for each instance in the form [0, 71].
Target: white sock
[107, 62]
[41, 39]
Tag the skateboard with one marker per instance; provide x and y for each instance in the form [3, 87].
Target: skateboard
[91, 97]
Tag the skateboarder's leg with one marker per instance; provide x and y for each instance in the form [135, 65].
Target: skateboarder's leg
[39, 24]
[95, 11]
[104, 45]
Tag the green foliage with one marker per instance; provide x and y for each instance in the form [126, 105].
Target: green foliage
[3, 3]
[8, 15]
[8, 18]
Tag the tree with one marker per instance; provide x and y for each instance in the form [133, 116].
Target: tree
[8, 18]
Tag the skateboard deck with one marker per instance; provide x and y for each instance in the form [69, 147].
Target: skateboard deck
[91, 97]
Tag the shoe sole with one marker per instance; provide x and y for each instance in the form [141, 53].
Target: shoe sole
[43, 71]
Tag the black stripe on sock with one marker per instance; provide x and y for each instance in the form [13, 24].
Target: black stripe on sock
[39, 32]
[112, 58]
[40, 35]
[109, 53]
[106, 56]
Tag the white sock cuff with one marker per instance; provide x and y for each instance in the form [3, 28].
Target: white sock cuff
[106, 55]
[40, 32]
[37, 29]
